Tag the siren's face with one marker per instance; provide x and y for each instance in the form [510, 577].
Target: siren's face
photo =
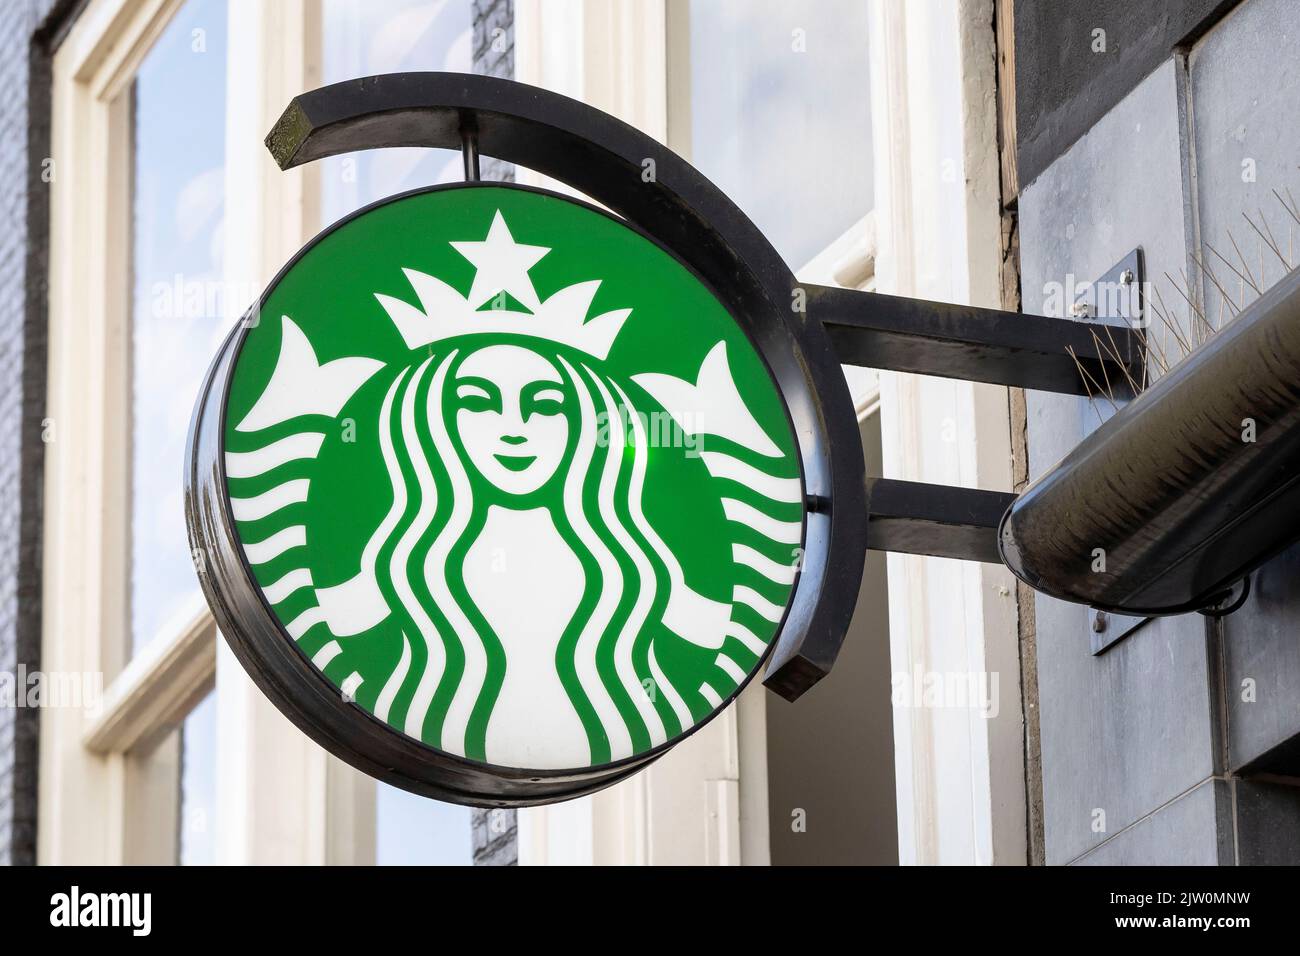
[512, 413]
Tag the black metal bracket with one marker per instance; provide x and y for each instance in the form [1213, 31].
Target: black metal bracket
[603, 158]
[1117, 294]
[971, 343]
[937, 520]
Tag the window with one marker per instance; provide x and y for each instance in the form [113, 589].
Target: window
[198, 785]
[390, 36]
[361, 40]
[177, 192]
[779, 114]
[178, 199]
[137, 212]
[771, 100]
[167, 219]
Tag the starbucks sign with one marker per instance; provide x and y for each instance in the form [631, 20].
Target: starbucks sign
[500, 499]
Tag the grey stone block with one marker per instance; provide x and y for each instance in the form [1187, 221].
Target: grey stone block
[1066, 82]
[1129, 730]
[1268, 823]
[1189, 831]
[1245, 82]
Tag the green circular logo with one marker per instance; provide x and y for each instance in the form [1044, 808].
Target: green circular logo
[512, 479]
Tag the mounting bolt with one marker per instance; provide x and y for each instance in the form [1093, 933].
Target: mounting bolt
[1081, 310]
[1099, 622]
[1126, 277]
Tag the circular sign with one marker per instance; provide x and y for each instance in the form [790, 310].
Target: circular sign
[501, 501]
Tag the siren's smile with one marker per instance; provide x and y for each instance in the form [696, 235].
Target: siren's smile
[516, 462]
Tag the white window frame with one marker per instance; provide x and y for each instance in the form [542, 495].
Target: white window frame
[106, 785]
[940, 238]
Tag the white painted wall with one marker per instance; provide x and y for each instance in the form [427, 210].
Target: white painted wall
[960, 775]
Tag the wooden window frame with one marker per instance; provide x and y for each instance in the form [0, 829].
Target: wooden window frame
[109, 775]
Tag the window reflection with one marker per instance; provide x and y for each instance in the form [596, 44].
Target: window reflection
[390, 36]
[780, 114]
[199, 785]
[178, 200]
[415, 831]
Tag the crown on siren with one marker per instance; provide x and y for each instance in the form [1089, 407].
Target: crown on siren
[502, 267]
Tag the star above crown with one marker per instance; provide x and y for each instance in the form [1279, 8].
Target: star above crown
[502, 266]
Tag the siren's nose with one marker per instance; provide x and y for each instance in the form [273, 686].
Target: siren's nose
[513, 439]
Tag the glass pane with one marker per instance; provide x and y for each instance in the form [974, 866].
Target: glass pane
[178, 193]
[199, 784]
[389, 36]
[361, 39]
[781, 114]
[414, 831]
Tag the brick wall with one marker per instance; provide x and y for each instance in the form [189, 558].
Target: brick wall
[496, 838]
[494, 55]
[24, 230]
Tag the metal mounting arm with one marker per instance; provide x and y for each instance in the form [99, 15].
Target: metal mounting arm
[918, 518]
[978, 345]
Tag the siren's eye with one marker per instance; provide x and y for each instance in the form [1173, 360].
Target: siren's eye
[478, 395]
[543, 398]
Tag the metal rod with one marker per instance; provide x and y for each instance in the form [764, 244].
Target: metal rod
[971, 343]
[469, 151]
[945, 522]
